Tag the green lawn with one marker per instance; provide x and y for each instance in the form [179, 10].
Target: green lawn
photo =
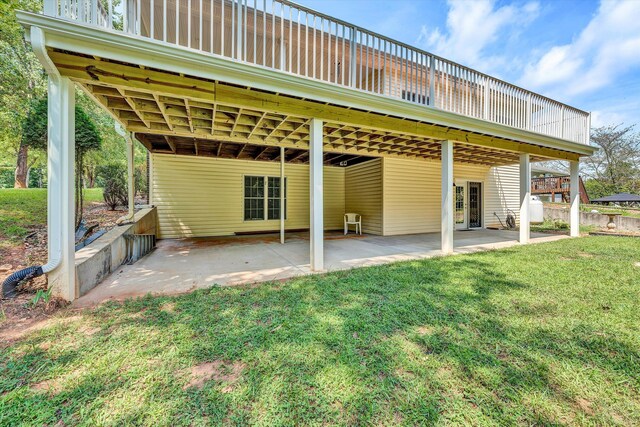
[559, 226]
[534, 335]
[22, 210]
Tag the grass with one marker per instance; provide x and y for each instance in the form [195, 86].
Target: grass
[22, 210]
[559, 226]
[535, 335]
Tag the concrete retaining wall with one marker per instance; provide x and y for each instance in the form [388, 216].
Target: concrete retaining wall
[102, 257]
[623, 223]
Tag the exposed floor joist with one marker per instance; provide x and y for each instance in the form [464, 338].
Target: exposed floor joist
[152, 102]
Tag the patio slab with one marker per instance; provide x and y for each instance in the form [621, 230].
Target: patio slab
[181, 265]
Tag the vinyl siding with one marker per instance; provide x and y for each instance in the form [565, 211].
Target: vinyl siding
[412, 192]
[363, 194]
[502, 193]
[198, 196]
[411, 196]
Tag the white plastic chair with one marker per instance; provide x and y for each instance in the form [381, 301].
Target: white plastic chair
[352, 219]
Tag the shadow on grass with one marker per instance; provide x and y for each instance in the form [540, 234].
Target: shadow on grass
[456, 340]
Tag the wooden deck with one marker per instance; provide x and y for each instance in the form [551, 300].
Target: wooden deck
[557, 185]
[291, 39]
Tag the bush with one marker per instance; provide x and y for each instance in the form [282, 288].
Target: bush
[113, 179]
[560, 225]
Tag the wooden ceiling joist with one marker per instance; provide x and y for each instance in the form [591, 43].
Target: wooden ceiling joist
[211, 115]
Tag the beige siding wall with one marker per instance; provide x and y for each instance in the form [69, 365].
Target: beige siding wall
[502, 193]
[363, 194]
[411, 196]
[199, 196]
[412, 191]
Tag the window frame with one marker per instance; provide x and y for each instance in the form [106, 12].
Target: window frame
[265, 197]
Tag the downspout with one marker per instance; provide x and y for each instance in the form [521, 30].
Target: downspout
[38, 43]
[54, 210]
[127, 219]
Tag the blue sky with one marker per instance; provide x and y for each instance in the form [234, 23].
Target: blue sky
[585, 53]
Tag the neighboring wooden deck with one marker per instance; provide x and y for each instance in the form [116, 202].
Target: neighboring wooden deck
[557, 185]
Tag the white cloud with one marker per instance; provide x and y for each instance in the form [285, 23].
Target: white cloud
[472, 26]
[608, 47]
[605, 118]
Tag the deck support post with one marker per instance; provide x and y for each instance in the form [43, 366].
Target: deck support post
[447, 198]
[575, 198]
[283, 188]
[525, 197]
[131, 190]
[61, 187]
[316, 196]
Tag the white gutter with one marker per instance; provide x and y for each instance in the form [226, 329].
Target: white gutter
[54, 210]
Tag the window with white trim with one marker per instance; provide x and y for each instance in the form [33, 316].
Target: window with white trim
[262, 198]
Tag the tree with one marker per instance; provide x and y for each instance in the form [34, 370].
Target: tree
[615, 167]
[34, 135]
[22, 80]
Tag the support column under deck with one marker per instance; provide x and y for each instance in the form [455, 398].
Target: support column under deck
[316, 196]
[131, 190]
[447, 198]
[525, 197]
[283, 189]
[575, 198]
[61, 188]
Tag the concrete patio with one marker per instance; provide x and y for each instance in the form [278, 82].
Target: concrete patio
[182, 265]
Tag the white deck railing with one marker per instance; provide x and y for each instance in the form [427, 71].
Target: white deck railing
[284, 36]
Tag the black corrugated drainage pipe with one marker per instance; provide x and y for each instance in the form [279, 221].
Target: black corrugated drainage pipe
[11, 283]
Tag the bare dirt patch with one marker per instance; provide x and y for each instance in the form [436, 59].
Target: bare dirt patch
[424, 330]
[218, 370]
[585, 406]
[50, 386]
[89, 331]
[169, 307]
[17, 316]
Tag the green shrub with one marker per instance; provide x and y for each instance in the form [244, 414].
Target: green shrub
[112, 178]
[559, 224]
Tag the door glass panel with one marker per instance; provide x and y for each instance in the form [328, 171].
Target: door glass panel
[475, 205]
[459, 205]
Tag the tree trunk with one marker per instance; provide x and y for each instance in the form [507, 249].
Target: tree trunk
[22, 168]
[91, 176]
[79, 188]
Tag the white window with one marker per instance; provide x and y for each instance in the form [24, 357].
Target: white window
[262, 198]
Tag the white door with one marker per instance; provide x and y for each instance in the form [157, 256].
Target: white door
[460, 208]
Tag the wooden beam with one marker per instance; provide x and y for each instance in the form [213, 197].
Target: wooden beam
[261, 153]
[338, 116]
[115, 75]
[213, 119]
[235, 122]
[134, 108]
[257, 124]
[162, 111]
[297, 156]
[277, 126]
[170, 143]
[186, 106]
[94, 71]
[241, 150]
